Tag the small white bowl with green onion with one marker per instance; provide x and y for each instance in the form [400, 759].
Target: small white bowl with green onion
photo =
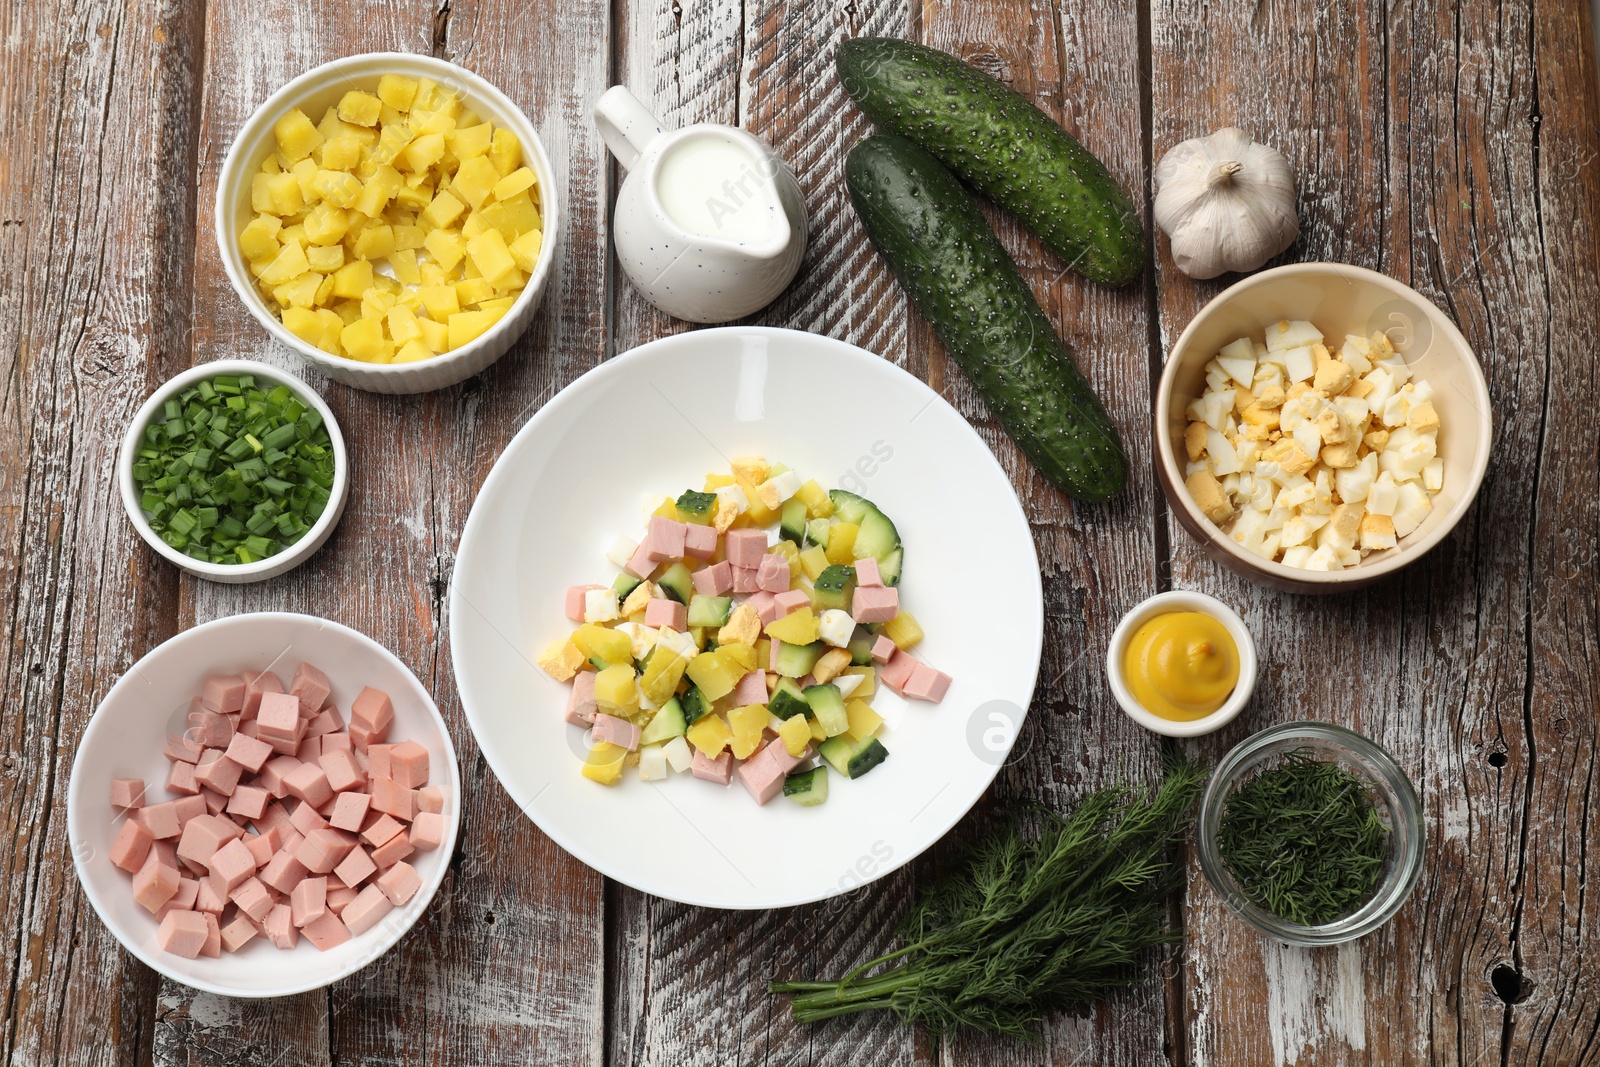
[248, 485]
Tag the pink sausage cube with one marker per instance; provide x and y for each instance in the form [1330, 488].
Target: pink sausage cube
[926, 683]
[232, 864]
[127, 793]
[714, 580]
[217, 772]
[408, 764]
[183, 747]
[288, 746]
[155, 883]
[215, 802]
[161, 820]
[272, 775]
[642, 564]
[765, 605]
[327, 931]
[381, 829]
[280, 928]
[746, 580]
[668, 613]
[430, 798]
[392, 851]
[356, 867]
[762, 774]
[180, 779]
[699, 541]
[192, 807]
[719, 770]
[253, 898]
[874, 604]
[867, 572]
[665, 538]
[209, 896]
[238, 933]
[365, 911]
[898, 670]
[312, 688]
[773, 574]
[337, 742]
[305, 818]
[575, 600]
[131, 847]
[275, 818]
[883, 650]
[262, 847]
[283, 872]
[374, 713]
[349, 811]
[183, 900]
[183, 933]
[399, 883]
[792, 601]
[617, 731]
[213, 945]
[324, 723]
[255, 684]
[323, 850]
[581, 706]
[202, 837]
[278, 717]
[393, 798]
[212, 729]
[752, 688]
[341, 771]
[308, 901]
[250, 753]
[745, 547]
[427, 831]
[310, 750]
[378, 761]
[223, 693]
[309, 783]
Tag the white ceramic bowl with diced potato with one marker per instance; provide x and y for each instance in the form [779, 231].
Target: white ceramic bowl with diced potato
[321, 88]
[125, 739]
[1339, 300]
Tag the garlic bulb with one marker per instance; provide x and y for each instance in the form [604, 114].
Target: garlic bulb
[1226, 202]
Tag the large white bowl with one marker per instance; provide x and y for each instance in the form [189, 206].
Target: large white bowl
[234, 573]
[658, 419]
[315, 91]
[124, 739]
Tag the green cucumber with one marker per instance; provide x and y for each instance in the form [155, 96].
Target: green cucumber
[709, 611]
[694, 704]
[667, 724]
[827, 707]
[695, 506]
[625, 584]
[807, 788]
[949, 262]
[677, 583]
[860, 650]
[1003, 146]
[792, 520]
[787, 700]
[834, 587]
[796, 661]
[876, 535]
[852, 758]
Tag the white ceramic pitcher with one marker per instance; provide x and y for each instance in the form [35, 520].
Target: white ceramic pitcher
[709, 225]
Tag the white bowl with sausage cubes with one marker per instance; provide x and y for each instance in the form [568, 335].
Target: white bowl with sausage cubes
[263, 805]
[746, 618]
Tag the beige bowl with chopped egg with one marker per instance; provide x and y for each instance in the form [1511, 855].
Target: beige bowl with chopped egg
[1339, 300]
[321, 88]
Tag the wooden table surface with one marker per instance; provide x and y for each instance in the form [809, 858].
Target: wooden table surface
[1453, 146]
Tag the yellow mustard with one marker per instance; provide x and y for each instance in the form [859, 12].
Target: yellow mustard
[1182, 665]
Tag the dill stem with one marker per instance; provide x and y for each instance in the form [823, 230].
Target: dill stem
[819, 996]
[816, 1015]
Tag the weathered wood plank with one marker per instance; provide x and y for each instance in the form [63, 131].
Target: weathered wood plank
[688, 985]
[509, 961]
[99, 108]
[1424, 146]
[1080, 64]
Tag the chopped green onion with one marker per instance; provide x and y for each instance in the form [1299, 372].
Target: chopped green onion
[234, 470]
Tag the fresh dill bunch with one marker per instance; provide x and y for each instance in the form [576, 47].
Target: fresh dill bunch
[1034, 921]
[1303, 839]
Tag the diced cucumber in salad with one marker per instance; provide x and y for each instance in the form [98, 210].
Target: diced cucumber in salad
[746, 637]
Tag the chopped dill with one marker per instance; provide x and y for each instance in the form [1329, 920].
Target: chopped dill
[1303, 840]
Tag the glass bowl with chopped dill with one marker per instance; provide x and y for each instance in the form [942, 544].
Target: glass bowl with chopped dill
[234, 470]
[1311, 833]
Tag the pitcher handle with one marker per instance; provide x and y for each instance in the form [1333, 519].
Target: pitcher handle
[625, 125]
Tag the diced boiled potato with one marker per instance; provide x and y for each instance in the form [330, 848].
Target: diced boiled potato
[710, 735]
[397, 90]
[290, 263]
[505, 152]
[470, 141]
[297, 137]
[604, 763]
[747, 723]
[525, 250]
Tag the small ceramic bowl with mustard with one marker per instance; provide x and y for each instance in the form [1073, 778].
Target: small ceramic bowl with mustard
[1182, 664]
